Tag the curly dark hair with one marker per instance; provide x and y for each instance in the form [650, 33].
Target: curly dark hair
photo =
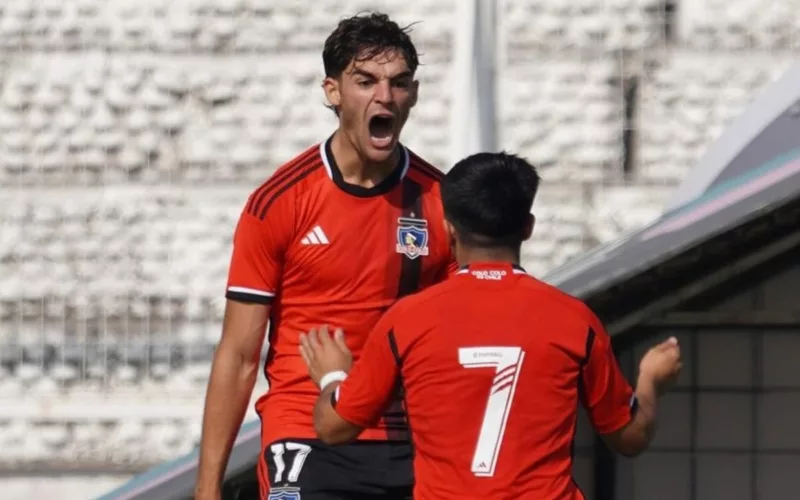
[363, 37]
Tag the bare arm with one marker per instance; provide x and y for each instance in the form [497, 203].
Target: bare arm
[330, 427]
[233, 376]
[635, 438]
[657, 371]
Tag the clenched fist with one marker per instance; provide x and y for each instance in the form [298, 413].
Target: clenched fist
[662, 364]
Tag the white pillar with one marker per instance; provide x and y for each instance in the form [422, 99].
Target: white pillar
[472, 127]
[486, 73]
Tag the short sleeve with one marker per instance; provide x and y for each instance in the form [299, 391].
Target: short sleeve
[370, 386]
[259, 247]
[607, 395]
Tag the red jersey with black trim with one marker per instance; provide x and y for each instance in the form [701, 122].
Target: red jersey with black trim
[493, 364]
[322, 251]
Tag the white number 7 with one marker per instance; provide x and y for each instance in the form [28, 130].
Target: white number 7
[297, 464]
[507, 362]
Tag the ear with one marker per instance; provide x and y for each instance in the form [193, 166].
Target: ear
[414, 92]
[331, 86]
[529, 226]
[451, 231]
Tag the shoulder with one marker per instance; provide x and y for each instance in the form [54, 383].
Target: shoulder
[286, 183]
[562, 304]
[423, 172]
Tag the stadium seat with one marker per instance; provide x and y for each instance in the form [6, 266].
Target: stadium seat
[555, 27]
[739, 25]
[157, 121]
[567, 119]
[687, 100]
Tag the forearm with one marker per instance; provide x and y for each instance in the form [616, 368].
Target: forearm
[329, 426]
[229, 390]
[645, 419]
[636, 437]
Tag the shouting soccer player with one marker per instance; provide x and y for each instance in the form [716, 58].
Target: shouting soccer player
[493, 362]
[336, 235]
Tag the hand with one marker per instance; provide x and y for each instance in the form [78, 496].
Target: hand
[661, 365]
[324, 354]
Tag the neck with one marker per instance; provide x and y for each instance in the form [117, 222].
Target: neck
[355, 168]
[467, 256]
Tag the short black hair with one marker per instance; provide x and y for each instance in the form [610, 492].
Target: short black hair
[488, 198]
[363, 37]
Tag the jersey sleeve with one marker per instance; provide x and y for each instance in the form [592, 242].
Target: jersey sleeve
[259, 247]
[607, 395]
[370, 386]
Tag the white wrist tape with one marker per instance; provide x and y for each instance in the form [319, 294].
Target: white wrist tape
[330, 377]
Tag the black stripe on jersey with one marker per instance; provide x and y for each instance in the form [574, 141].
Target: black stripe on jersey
[426, 169]
[279, 178]
[410, 269]
[291, 182]
[401, 389]
[390, 337]
[581, 393]
[589, 344]
[249, 297]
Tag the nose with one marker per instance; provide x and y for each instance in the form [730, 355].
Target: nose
[383, 92]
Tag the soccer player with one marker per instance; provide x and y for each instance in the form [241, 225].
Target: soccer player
[493, 362]
[337, 235]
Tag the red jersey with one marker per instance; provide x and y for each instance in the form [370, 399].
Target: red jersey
[493, 364]
[322, 251]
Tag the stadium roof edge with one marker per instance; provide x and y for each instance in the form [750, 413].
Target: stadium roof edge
[679, 229]
[718, 164]
[752, 171]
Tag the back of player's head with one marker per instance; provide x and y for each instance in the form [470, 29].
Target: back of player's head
[363, 37]
[488, 197]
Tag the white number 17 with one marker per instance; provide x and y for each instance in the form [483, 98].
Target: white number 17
[507, 362]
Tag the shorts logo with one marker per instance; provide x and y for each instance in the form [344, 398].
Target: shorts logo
[284, 494]
[412, 237]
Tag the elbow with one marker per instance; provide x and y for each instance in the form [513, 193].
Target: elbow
[328, 435]
[628, 442]
[633, 444]
[237, 358]
[632, 450]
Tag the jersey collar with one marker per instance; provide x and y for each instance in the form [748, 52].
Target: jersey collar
[492, 266]
[385, 185]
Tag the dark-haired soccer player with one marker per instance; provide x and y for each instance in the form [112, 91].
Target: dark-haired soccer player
[336, 235]
[493, 362]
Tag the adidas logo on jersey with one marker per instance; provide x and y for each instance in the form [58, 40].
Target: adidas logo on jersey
[315, 237]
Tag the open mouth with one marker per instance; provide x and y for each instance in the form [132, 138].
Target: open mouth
[381, 130]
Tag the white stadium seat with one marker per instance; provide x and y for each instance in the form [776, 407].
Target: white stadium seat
[686, 102]
[551, 27]
[566, 116]
[739, 25]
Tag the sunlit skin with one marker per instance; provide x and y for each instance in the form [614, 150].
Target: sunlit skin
[381, 86]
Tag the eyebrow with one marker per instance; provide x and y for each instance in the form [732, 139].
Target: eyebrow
[366, 74]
